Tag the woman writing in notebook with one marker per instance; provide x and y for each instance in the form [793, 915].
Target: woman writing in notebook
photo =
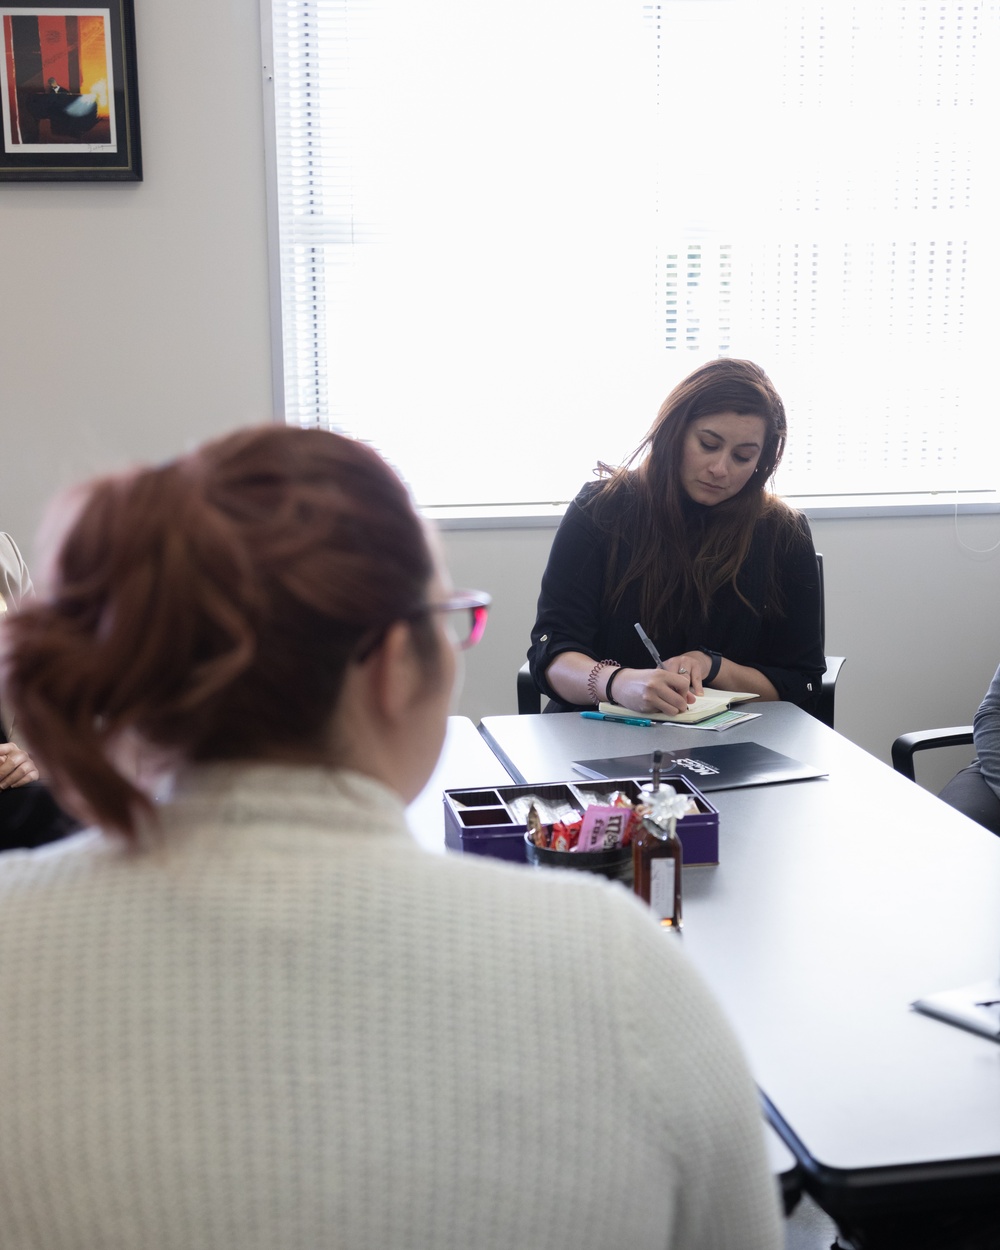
[686, 538]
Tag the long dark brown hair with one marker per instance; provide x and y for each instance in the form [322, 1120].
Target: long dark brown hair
[210, 608]
[680, 568]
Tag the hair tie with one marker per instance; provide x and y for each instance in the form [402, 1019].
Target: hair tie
[592, 678]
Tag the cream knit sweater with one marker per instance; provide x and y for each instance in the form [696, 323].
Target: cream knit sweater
[282, 1024]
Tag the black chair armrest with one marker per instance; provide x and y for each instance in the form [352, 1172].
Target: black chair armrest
[828, 689]
[906, 745]
[529, 697]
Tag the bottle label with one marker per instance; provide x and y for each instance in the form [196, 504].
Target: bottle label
[661, 887]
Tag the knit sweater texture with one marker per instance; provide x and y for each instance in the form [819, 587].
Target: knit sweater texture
[281, 1023]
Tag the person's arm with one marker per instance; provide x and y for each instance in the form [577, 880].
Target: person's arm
[791, 650]
[638, 689]
[16, 767]
[566, 617]
[15, 583]
[565, 642]
[986, 735]
[791, 663]
[665, 689]
[730, 675]
[569, 620]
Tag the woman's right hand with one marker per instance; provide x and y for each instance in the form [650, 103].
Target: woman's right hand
[653, 690]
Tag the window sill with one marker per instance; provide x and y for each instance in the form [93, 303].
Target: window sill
[816, 507]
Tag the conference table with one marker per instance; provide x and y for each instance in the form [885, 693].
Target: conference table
[836, 902]
[468, 762]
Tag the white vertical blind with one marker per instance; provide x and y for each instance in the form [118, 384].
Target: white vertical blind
[506, 231]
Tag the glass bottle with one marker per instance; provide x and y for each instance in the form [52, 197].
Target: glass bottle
[657, 857]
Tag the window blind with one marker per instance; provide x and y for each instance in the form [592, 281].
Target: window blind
[506, 231]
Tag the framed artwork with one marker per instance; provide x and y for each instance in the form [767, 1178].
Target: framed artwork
[69, 100]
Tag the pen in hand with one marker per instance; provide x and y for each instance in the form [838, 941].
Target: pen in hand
[647, 642]
[650, 646]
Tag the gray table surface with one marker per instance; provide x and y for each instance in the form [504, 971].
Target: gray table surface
[836, 902]
[466, 760]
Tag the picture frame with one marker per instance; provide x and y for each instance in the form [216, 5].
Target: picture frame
[69, 97]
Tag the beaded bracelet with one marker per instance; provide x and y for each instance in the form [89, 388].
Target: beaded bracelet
[592, 679]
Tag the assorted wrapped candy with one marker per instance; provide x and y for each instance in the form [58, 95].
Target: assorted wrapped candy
[596, 821]
[605, 825]
[547, 810]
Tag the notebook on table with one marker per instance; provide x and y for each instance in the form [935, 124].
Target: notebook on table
[711, 703]
[726, 766]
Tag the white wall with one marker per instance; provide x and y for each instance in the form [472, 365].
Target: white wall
[135, 315]
[135, 323]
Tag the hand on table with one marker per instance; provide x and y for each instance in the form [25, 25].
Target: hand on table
[16, 768]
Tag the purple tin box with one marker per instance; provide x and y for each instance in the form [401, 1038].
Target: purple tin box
[480, 821]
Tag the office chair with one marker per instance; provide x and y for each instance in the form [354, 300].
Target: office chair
[907, 745]
[968, 791]
[529, 697]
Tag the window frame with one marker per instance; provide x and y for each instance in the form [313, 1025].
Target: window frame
[546, 514]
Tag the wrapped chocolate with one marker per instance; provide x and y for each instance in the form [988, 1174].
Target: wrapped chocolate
[608, 826]
[564, 835]
[536, 830]
[548, 810]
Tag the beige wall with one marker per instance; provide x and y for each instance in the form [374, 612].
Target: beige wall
[135, 322]
[135, 315]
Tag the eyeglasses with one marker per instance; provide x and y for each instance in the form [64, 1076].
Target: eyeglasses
[466, 612]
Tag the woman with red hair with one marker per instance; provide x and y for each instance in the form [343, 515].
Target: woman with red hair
[253, 1012]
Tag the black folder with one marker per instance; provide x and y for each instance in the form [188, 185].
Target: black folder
[724, 766]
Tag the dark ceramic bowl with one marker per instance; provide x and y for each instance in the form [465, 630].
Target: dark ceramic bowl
[616, 864]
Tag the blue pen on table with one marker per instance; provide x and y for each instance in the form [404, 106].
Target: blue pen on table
[648, 643]
[622, 720]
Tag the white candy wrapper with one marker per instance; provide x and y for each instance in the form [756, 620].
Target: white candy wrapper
[666, 807]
